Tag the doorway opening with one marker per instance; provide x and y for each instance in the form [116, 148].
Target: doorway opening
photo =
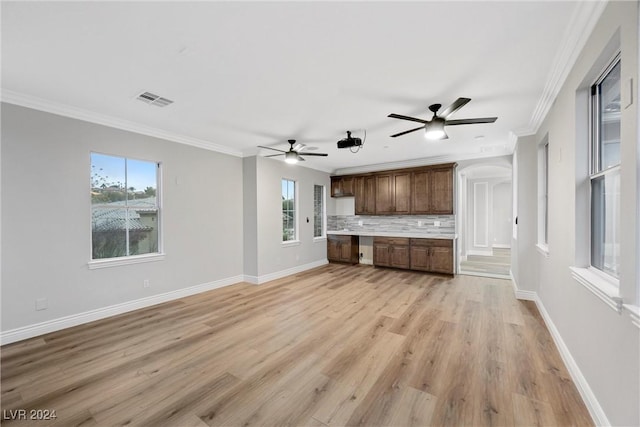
[485, 221]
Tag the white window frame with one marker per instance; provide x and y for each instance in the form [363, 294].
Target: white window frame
[601, 284]
[595, 169]
[543, 197]
[323, 214]
[129, 259]
[296, 238]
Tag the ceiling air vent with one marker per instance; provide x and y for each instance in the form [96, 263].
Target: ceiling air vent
[154, 99]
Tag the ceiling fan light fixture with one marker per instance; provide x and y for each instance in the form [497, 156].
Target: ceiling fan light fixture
[435, 129]
[291, 157]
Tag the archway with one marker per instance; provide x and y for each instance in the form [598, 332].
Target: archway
[485, 213]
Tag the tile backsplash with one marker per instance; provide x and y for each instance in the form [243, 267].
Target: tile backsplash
[399, 223]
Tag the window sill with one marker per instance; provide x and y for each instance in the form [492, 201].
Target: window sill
[603, 287]
[320, 239]
[290, 243]
[543, 249]
[634, 313]
[116, 262]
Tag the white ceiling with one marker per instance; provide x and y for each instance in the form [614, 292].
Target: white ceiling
[247, 74]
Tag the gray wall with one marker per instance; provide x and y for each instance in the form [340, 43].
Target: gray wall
[46, 217]
[250, 215]
[604, 343]
[270, 255]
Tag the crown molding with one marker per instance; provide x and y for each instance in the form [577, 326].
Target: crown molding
[425, 161]
[60, 109]
[579, 29]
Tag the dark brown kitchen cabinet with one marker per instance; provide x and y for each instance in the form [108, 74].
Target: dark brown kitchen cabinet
[432, 191]
[401, 193]
[342, 186]
[384, 194]
[365, 193]
[441, 191]
[435, 255]
[432, 255]
[343, 248]
[427, 190]
[391, 252]
[393, 193]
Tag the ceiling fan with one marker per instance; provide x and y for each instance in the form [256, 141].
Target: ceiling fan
[294, 155]
[434, 128]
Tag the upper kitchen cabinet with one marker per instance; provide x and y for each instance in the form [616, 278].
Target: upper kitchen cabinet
[342, 186]
[427, 190]
[393, 192]
[365, 193]
[432, 191]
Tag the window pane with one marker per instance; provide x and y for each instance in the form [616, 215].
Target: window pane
[609, 119]
[107, 179]
[605, 223]
[108, 232]
[141, 181]
[288, 210]
[546, 193]
[125, 211]
[318, 209]
[143, 231]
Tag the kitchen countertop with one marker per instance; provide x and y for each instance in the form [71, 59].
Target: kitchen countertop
[413, 235]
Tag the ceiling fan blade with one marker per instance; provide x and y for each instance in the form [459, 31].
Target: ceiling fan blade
[299, 147]
[407, 131]
[470, 121]
[273, 155]
[401, 117]
[300, 159]
[457, 104]
[269, 148]
[315, 154]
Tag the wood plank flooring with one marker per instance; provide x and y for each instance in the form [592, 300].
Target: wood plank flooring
[334, 346]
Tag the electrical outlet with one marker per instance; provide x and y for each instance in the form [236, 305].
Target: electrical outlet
[436, 223]
[360, 223]
[145, 283]
[42, 304]
[419, 223]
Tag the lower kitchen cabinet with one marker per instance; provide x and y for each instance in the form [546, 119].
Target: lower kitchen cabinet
[343, 248]
[433, 255]
[391, 252]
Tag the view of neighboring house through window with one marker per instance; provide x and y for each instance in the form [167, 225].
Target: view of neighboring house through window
[289, 221]
[124, 207]
[318, 210]
[605, 171]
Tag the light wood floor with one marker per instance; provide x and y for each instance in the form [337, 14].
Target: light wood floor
[338, 345]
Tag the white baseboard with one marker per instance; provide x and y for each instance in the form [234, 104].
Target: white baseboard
[596, 411]
[366, 261]
[30, 331]
[501, 246]
[589, 399]
[258, 280]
